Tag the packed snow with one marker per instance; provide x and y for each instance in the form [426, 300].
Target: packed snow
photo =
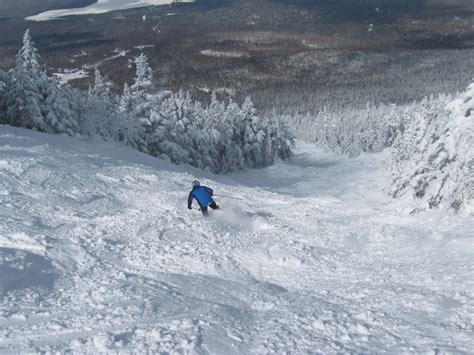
[101, 6]
[98, 253]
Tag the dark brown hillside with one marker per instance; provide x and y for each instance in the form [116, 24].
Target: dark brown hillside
[287, 54]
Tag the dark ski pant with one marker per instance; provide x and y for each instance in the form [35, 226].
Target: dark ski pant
[204, 210]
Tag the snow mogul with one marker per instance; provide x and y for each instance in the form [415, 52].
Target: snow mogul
[203, 196]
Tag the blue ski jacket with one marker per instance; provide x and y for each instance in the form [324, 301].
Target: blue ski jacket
[202, 194]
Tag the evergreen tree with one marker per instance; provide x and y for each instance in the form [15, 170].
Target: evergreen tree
[231, 151]
[252, 134]
[100, 87]
[283, 140]
[433, 155]
[24, 98]
[271, 138]
[27, 91]
[143, 74]
[143, 92]
[125, 100]
[61, 110]
[101, 113]
[215, 111]
[170, 128]
[30, 59]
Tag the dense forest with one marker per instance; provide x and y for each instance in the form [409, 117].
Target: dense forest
[220, 136]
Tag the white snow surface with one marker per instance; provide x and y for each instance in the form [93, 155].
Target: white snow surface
[101, 6]
[98, 253]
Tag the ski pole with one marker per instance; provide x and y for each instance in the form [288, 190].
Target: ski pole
[235, 198]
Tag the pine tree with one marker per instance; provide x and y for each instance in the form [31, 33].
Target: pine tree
[283, 141]
[24, 97]
[271, 138]
[30, 58]
[217, 141]
[433, 155]
[143, 74]
[169, 128]
[26, 94]
[231, 152]
[100, 88]
[143, 92]
[61, 110]
[251, 134]
[125, 100]
[215, 111]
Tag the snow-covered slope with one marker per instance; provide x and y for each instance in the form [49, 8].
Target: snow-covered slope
[98, 252]
[101, 6]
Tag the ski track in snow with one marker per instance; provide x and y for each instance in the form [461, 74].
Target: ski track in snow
[99, 253]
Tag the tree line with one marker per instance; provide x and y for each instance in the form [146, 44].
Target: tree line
[220, 136]
[431, 143]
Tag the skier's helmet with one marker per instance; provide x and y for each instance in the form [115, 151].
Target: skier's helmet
[196, 183]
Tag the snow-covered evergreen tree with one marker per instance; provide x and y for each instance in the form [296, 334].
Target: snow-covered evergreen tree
[62, 112]
[229, 129]
[215, 111]
[35, 101]
[143, 90]
[27, 91]
[212, 141]
[143, 74]
[433, 158]
[125, 100]
[170, 125]
[100, 111]
[28, 53]
[101, 87]
[281, 140]
[252, 135]
[24, 99]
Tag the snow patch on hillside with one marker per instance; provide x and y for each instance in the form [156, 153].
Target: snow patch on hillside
[118, 53]
[144, 46]
[98, 253]
[225, 54]
[70, 74]
[101, 6]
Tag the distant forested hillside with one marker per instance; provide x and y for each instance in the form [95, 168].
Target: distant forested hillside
[290, 56]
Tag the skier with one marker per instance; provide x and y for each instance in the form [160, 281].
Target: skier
[203, 196]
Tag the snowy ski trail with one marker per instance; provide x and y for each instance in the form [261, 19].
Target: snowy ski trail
[98, 252]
